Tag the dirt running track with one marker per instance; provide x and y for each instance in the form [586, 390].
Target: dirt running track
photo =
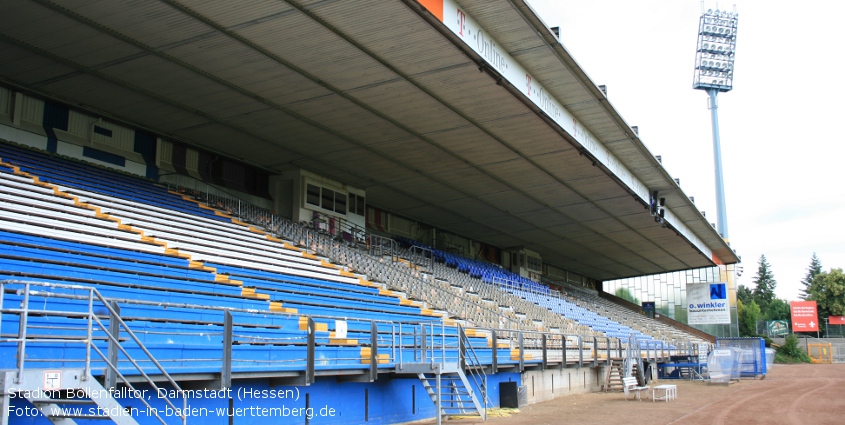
[790, 394]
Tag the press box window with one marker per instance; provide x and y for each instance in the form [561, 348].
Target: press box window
[534, 263]
[312, 196]
[331, 200]
[328, 199]
[356, 204]
[339, 203]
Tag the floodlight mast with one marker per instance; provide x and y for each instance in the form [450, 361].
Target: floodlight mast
[714, 70]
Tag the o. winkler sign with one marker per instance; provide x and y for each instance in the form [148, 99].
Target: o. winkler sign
[707, 304]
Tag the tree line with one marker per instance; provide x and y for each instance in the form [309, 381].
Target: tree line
[826, 288]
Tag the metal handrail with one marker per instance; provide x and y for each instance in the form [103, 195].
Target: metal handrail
[91, 317]
[477, 373]
[263, 216]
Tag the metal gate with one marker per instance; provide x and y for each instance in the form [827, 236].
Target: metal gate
[820, 352]
[838, 352]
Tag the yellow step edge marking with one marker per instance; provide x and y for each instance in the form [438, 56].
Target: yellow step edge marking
[348, 274]
[309, 256]
[343, 341]
[58, 192]
[236, 221]
[364, 282]
[106, 216]
[273, 238]
[367, 354]
[175, 252]
[198, 265]
[277, 307]
[151, 240]
[221, 214]
[319, 327]
[387, 292]
[325, 263]
[129, 228]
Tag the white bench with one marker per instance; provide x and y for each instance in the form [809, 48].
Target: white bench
[630, 385]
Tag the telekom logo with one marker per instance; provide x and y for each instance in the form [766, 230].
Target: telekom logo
[461, 22]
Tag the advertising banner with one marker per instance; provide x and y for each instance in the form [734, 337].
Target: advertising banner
[707, 304]
[836, 320]
[804, 316]
[777, 327]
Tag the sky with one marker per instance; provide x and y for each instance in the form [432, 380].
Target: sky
[782, 148]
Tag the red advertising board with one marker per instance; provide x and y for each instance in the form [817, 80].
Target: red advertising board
[836, 320]
[804, 316]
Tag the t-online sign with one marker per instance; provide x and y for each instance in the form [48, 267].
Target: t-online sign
[804, 316]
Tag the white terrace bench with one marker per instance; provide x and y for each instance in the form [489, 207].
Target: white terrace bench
[630, 385]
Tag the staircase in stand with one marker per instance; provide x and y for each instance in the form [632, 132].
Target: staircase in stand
[63, 396]
[614, 375]
[617, 371]
[449, 389]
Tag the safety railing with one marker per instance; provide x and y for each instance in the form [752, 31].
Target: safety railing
[320, 240]
[471, 363]
[391, 343]
[421, 256]
[323, 240]
[380, 246]
[93, 324]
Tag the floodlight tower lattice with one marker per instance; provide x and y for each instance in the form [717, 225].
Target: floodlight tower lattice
[714, 71]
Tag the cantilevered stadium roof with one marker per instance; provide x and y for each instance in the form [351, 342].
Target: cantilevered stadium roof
[466, 115]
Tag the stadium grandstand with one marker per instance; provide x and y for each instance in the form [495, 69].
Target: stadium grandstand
[324, 212]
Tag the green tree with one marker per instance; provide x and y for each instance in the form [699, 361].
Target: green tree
[828, 291]
[743, 293]
[626, 294]
[778, 310]
[748, 315]
[791, 352]
[812, 271]
[764, 290]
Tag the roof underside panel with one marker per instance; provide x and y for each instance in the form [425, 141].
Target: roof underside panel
[375, 94]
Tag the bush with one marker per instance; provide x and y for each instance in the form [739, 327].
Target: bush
[790, 352]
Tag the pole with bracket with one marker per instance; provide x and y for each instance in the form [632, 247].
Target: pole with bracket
[228, 341]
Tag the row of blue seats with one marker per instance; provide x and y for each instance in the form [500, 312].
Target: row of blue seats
[116, 284]
[72, 174]
[581, 315]
[487, 272]
[41, 263]
[39, 258]
[198, 348]
[35, 160]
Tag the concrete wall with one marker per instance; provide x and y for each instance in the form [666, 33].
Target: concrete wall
[543, 385]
